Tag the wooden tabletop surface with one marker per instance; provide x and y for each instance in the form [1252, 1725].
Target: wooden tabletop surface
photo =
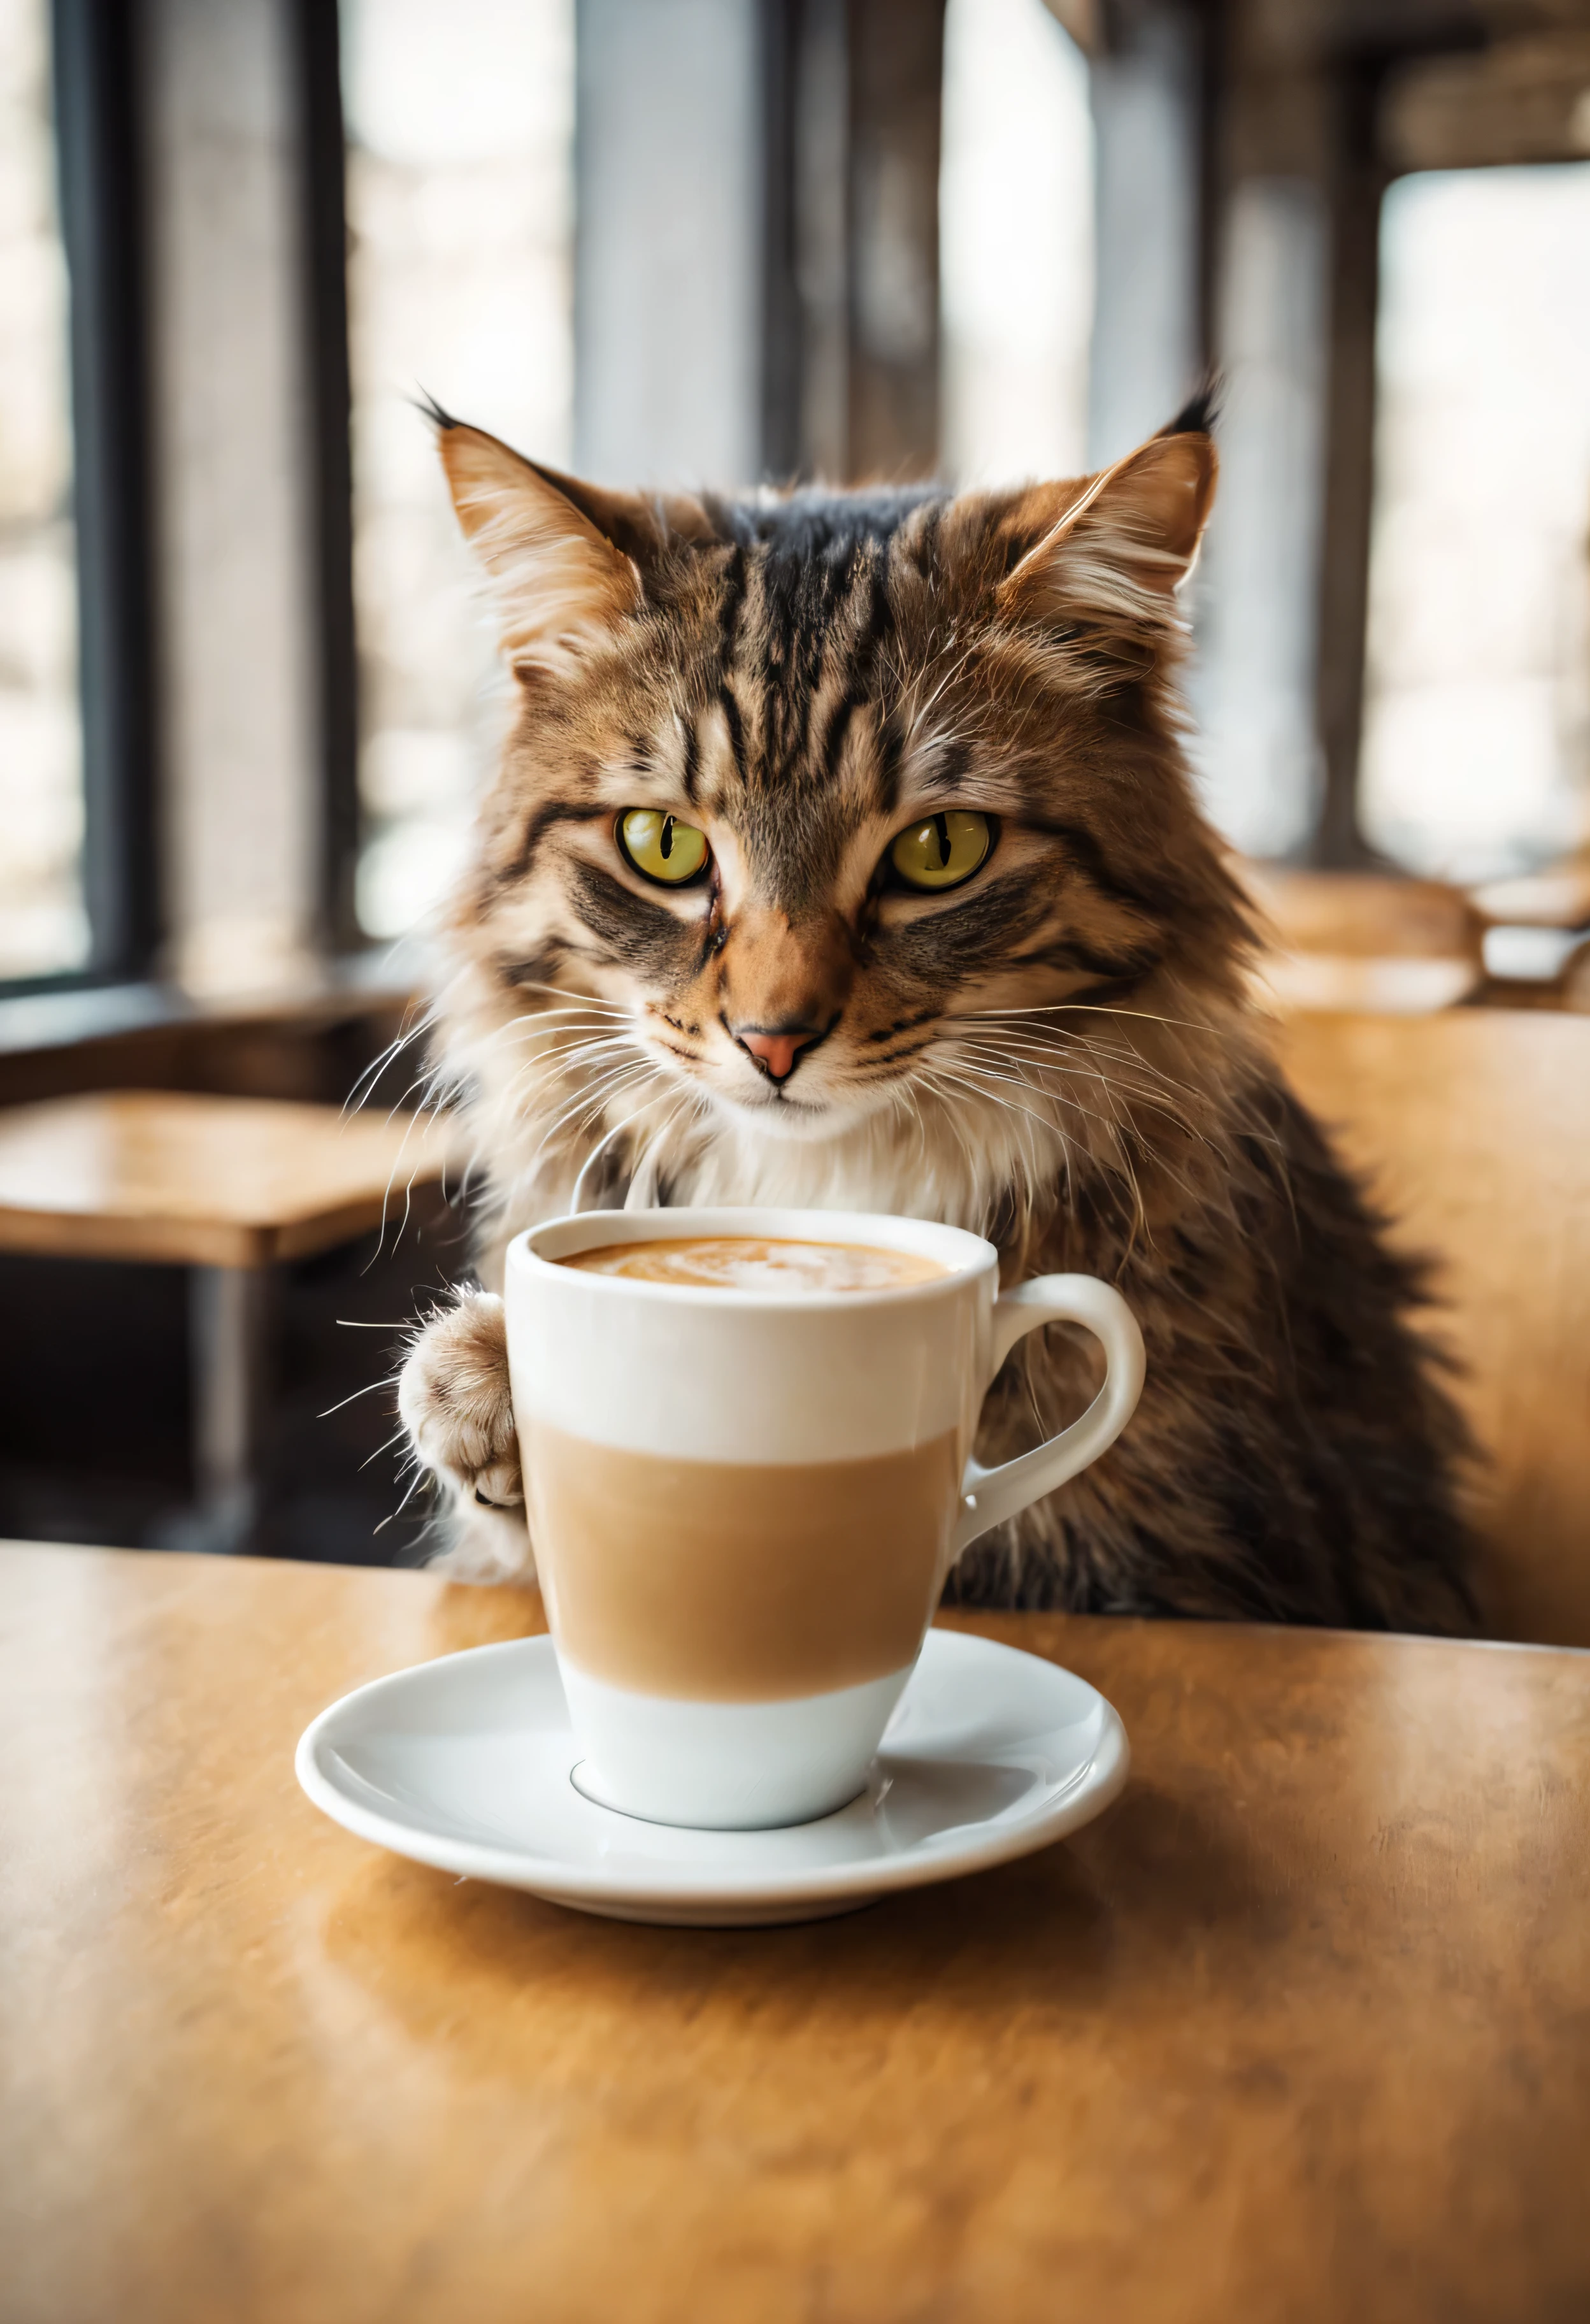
[1300, 2030]
[208, 1181]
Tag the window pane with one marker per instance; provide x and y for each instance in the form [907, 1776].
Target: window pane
[43, 923]
[1255, 598]
[1015, 234]
[1475, 734]
[460, 128]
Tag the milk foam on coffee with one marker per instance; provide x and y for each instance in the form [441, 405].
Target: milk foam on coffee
[777, 1268]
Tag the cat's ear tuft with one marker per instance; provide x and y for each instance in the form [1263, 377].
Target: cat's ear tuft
[562, 588]
[1201, 411]
[1115, 549]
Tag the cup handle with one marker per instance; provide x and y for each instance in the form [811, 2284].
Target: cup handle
[992, 1495]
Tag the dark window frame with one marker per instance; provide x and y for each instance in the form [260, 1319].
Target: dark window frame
[315, 31]
[94, 75]
[97, 78]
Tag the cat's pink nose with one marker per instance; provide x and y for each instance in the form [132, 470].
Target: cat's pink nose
[776, 1052]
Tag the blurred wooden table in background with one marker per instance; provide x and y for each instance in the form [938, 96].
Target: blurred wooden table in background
[1300, 2030]
[204, 1181]
[228, 1187]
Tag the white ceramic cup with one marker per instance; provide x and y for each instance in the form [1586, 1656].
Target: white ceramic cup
[718, 1708]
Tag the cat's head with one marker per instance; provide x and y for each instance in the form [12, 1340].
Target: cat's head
[814, 788]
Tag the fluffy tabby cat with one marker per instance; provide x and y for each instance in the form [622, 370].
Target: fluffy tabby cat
[843, 853]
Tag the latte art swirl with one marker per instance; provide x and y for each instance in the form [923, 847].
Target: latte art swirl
[761, 1263]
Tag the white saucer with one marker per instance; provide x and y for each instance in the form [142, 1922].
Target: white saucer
[467, 1764]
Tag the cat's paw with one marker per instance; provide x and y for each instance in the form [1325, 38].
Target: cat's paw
[455, 1401]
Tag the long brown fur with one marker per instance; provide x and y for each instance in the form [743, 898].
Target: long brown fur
[1060, 1053]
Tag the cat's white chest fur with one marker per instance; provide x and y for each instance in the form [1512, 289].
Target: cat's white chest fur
[930, 1163]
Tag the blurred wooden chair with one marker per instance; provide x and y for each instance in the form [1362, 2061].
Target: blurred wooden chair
[1555, 898]
[226, 1186]
[1537, 937]
[1474, 1129]
[1360, 940]
[1529, 966]
[1573, 980]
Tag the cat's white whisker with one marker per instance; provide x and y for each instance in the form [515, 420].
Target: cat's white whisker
[964, 1074]
[601, 1144]
[592, 1101]
[586, 1092]
[1111, 1088]
[966, 1054]
[568, 1044]
[566, 1066]
[1064, 1046]
[945, 1076]
[547, 1063]
[1108, 1008]
[566, 999]
[366, 1081]
[948, 1106]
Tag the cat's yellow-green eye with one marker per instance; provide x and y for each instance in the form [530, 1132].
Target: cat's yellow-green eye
[661, 847]
[943, 850]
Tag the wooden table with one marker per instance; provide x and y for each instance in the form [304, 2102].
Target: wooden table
[226, 1186]
[1300, 2030]
[233, 1182]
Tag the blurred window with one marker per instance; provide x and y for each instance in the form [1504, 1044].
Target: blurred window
[1255, 600]
[43, 926]
[1475, 732]
[1015, 238]
[460, 137]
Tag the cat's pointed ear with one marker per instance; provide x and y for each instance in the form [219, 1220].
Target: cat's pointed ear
[1116, 548]
[562, 587]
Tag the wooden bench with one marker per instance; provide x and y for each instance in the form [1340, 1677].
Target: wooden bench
[1474, 1129]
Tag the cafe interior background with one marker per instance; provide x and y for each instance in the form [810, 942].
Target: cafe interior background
[247, 687]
